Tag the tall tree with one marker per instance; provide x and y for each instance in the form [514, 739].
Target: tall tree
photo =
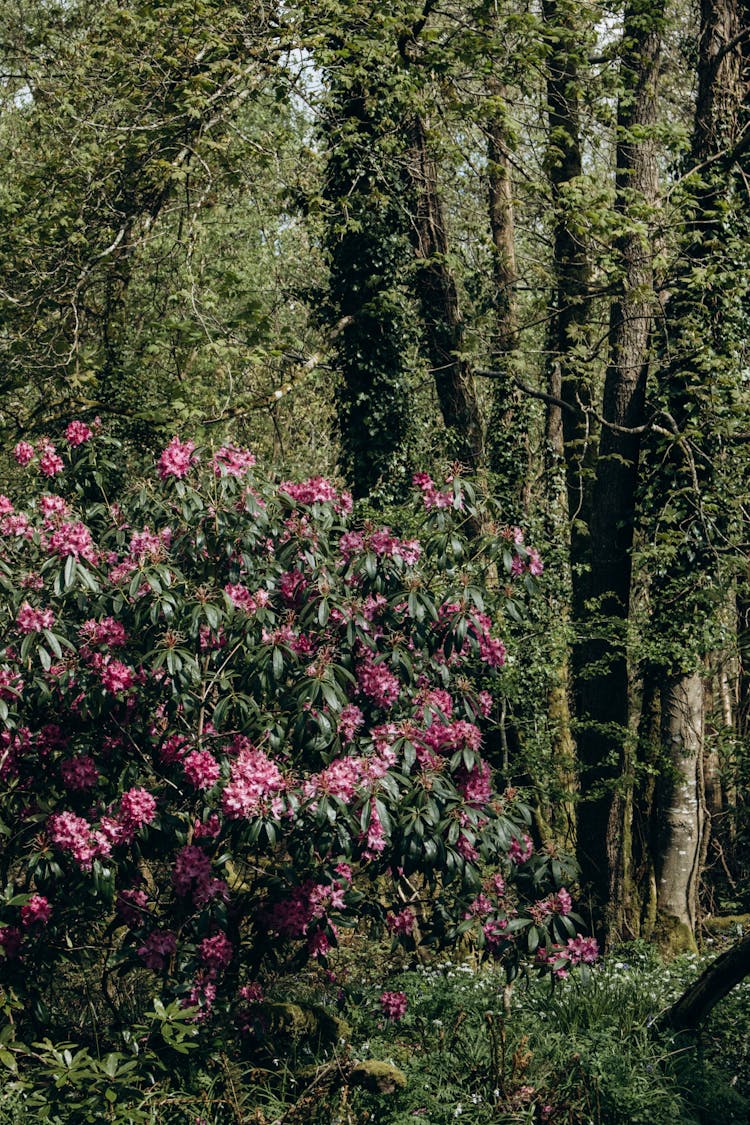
[601, 682]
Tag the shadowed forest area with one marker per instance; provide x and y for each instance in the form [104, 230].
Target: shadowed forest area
[374, 561]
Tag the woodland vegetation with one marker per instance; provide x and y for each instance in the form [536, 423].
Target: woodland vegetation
[500, 247]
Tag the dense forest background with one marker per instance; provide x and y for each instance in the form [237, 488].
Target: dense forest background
[370, 240]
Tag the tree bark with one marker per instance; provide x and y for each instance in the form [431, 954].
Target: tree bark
[601, 662]
[437, 293]
[682, 813]
[697, 1002]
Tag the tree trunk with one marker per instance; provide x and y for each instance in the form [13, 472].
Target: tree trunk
[697, 1002]
[571, 309]
[369, 253]
[508, 429]
[437, 294]
[682, 813]
[601, 662]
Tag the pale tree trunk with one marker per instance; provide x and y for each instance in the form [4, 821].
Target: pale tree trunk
[682, 820]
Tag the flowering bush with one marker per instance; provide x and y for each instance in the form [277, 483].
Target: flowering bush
[234, 721]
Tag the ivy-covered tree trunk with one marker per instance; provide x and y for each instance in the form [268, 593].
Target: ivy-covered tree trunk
[437, 294]
[508, 427]
[571, 270]
[601, 664]
[569, 451]
[699, 322]
[369, 254]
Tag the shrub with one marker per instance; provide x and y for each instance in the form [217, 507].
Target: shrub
[236, 721]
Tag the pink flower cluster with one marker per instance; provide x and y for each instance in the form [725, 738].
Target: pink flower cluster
[376, 681]
[108, 633]
[402, 922]
[216, 952]
[394, 1005]
[79, 773]
[31, 620]
[50, 464]
[177, 459]
[24, 453]
[74, 834]
[37, 911]
[74, 539]
[202, 769]
[475, 785]
[521, 851]
[158, 946]
[317, 490]
[253, 779]
[232, 462]
[432, 497]
[77, 433]
[192, 874]
[241, 598]
[116, 676]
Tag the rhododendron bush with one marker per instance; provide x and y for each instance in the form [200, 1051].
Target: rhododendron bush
[235, 720]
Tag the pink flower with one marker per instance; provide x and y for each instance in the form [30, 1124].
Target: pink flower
[24, 453]
[11, 684]
[316, 490]
[49, 462]
[402, 922]
[394, 1005]
[108, 632]
[137, 808]
[159, 945]
[216, 951]
[6, 507]
[17, 524]
[232, 462]
[36, 910]
[74, 834]
[72, 539]
[79, 773]
[77, 433]
[520, 852]
[350, 721]
[583, 950]
[31, 620]
[202, 769]
[474, 785]
[536, 566]
[116, 676]
[253, 779]
[54, 510]
[378, 682]
[177, 459]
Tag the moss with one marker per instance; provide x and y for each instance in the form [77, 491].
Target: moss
[673, 936]
[377, 1076]
[306, 1021]
[727, 924]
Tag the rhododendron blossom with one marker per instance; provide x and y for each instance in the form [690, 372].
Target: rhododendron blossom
[177, 459]
[29, 620]
[77, 433]
[394, 1005]
[37, 911]
[24, 453]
